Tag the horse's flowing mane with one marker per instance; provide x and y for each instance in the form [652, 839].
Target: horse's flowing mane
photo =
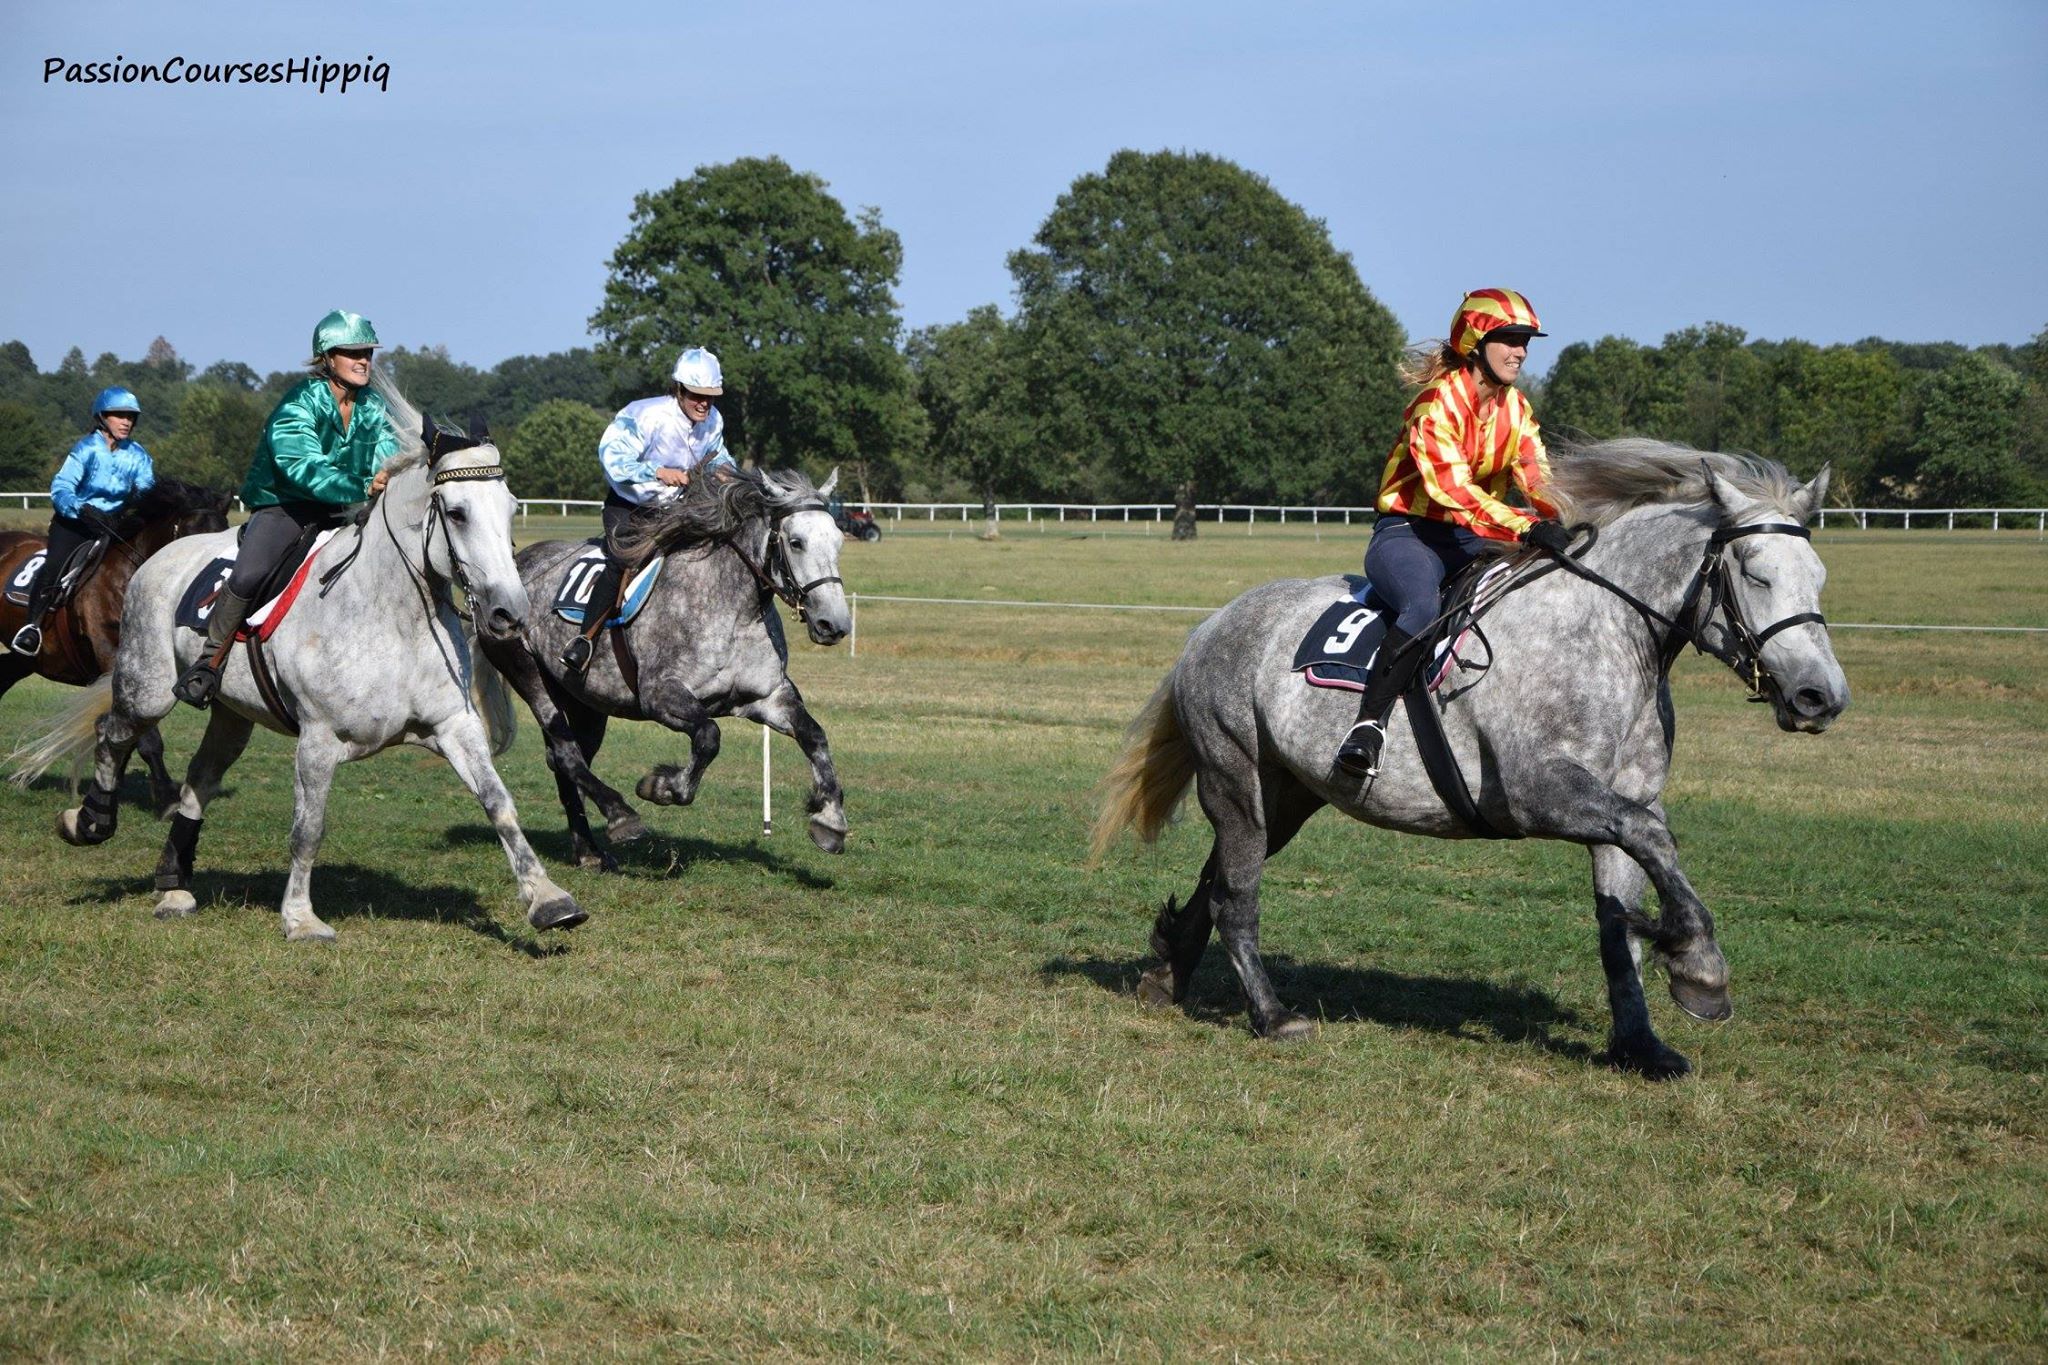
[1596, 481]
[405, 423]
[168, 498]
[712, 508]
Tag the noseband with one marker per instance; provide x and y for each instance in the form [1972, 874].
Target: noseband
[1745, 655]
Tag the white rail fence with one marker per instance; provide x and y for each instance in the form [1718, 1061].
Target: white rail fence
[854, 599]
[1059, 513]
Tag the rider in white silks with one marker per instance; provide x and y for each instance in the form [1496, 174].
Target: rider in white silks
[648, 452]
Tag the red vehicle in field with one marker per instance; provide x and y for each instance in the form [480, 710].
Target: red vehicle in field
[857, 522]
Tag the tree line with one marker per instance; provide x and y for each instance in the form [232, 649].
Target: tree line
[1182, 332]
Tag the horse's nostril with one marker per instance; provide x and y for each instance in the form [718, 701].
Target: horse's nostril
[1810, 701]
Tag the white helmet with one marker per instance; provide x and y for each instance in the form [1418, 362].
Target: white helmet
[697, 370]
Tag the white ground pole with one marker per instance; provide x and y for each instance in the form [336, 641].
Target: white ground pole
[767, 813]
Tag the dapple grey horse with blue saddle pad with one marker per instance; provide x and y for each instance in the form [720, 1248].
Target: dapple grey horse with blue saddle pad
[1566, 736]
[377, 654]
[706, 642]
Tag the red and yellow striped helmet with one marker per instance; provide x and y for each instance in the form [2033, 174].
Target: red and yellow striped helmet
[1489, 310]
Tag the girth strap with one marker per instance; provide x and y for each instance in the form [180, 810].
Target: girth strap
[266, 685]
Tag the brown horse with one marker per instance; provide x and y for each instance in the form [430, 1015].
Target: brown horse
[80, 637]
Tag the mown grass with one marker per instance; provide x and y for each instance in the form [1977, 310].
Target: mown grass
[902, 1104]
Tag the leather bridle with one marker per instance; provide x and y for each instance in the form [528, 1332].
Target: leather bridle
[777, 576]
[1744, 655]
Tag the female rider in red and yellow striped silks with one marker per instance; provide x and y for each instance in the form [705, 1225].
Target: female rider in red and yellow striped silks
[1466, 435]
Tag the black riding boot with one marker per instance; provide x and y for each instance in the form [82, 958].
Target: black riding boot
[604, 600]
[29, 639]
[196, 685]
[1393, 667]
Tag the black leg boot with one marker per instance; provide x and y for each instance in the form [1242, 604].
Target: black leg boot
[1393, 667]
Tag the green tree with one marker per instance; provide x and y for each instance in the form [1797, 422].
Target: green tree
[1711, 391]
[552, 453]
[970, 382]
[1206, 335]
[1967, 441]
[2033, 450]
[1840, 406]
[438, 385]
[29, 448]
[757, 262]
[217, 431]
[1601, 390]
[522, 383]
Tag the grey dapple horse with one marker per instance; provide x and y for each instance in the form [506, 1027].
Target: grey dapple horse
[708, 643]
[378, 658]
[1567, 736]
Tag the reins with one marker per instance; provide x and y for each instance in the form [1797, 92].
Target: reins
[1676, 632]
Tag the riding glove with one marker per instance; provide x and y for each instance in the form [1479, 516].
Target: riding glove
[1553, 536]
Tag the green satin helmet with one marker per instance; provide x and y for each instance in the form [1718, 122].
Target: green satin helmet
[342, 328]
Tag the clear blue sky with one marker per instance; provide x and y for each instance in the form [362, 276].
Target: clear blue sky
[1827, 171]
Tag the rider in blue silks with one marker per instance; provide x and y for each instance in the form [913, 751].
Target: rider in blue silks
[97, 479]
[648, 452]
[320, 455]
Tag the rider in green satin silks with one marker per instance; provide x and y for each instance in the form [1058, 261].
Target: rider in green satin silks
[319, 456]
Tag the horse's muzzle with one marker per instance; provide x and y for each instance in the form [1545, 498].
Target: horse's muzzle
[1809, 707]
[824, 632]
[501, 624]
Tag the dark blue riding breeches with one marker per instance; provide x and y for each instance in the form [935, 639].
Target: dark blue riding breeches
[1408, 560]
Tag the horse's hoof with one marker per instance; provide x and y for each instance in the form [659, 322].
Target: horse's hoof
[825, 837]
[591, 860]
[1649, 1058]
[1288, 1028]
[176, 905]
[67, 828]
[1155, 988]
[627, 829]
[315, 932]
[659, 787]
[1709, 1003]
[560, 913]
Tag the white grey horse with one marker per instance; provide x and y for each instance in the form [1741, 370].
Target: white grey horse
[374, 657]
[1567, 736]
[708, 643]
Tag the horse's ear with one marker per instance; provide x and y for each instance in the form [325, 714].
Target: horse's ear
[825, 488]
[1726, 497]
[1809, 497]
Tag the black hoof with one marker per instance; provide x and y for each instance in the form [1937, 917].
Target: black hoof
[561, 913]
[1708, 1003]
[1650, 1058]
[1286, 1027]
[1155, 988]
[595, 860]
[830, 839]
[659, 787]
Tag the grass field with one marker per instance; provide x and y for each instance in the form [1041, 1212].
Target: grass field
[902, 1103]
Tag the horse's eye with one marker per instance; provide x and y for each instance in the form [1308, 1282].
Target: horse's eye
[1751, 578]
[796, 543]
[458, 515]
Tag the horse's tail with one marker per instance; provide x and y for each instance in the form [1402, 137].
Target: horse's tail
[1150, 776]
[73, 735]
[492, 695]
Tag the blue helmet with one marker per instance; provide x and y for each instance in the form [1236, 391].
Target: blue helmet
[116, 399]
